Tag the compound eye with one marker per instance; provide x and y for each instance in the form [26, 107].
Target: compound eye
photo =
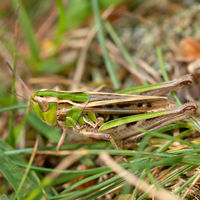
[43, 104]
[190, 108]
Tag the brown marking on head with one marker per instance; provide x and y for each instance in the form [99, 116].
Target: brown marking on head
[43, 104]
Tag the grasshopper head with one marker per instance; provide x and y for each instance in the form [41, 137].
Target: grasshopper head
[44, 108]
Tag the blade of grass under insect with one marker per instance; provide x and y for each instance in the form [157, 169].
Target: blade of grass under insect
[94, 145]
[109, 151]
[157, 133]
[142, 145]
[76, 173]
[122, 48]
[14, 107]
[102, 41]
[166, 78]
[28, 32]
[167, 144]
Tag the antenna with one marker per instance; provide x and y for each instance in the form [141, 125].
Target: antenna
[25, 87]
[18, 95]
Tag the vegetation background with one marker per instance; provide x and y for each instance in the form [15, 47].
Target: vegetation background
[83, 44]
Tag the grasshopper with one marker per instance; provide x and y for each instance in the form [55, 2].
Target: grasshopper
[112, 116]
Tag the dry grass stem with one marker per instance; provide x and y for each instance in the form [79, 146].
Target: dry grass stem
[191, 186]
[63, 152]
[80, 67]
[124, 64]
[64, 164]
[41, 80]
[130, 178]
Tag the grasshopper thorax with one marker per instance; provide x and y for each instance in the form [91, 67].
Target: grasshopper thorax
[44, 108]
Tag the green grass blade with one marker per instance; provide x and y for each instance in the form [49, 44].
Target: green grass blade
[28, 30]
[107, 189]
[13, 174]
[188, 182]
[168, 179]
[122, 48]
[11, 137]
[152, 179]
[77, 11]
[62, 18]
[4, 197]
[161, 61]
[93, 188]
[14, 107]
[140, 88]
[166, 78]
[25, 176]
[102, 41]
[85, 180]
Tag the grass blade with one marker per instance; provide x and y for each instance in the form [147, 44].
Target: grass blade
[120, 45]
[166, 78]
[140, 88]
[14, 107]
[102, 42]
[11, 137]
[13, 174]
[28, 31]
[22, 182]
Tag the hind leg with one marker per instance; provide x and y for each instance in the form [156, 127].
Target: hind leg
[103, 136]
[100, 136]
